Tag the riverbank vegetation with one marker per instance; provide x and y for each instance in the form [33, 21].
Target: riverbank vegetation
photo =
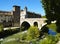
[32, 35]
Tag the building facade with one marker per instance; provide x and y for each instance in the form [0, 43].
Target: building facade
[17, 16]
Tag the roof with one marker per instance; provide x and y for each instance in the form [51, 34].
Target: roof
[5, 13]
[33, 13]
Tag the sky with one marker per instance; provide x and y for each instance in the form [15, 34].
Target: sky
[32, 5]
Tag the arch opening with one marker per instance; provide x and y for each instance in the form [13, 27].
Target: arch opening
[35, 24]
[24, 26]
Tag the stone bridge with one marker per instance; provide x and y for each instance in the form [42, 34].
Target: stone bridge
[33, 21]
[24, 18]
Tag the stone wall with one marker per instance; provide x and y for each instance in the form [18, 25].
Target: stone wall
[16, 16]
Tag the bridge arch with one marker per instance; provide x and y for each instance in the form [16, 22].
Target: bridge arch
[36, 24]
[25, 25]
[33, 21]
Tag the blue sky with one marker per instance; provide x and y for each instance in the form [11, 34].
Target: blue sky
[32, 5]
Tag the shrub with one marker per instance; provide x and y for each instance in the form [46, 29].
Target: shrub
[8, 32]
[23, 36]
[1, 27]
[49, 40]
[32, 33]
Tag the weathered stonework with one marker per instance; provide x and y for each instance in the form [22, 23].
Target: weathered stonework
[17, 17]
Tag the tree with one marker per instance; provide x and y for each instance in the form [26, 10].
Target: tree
[49, 7]
[52, 11]
[32, 33]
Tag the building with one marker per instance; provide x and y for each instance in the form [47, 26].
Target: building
[17, 16]
[5, 18]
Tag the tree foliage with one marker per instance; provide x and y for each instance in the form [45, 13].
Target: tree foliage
[51, 8]
[32, 33]
[52, 11]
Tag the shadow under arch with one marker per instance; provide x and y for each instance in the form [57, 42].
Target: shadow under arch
[25, 25]
[35, 24]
